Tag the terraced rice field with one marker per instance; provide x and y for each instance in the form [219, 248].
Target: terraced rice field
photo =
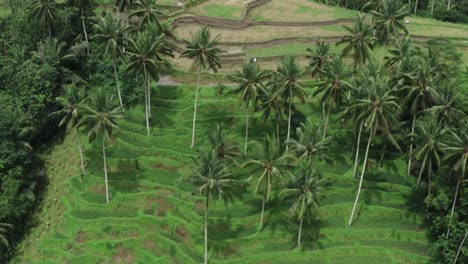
[152, 218]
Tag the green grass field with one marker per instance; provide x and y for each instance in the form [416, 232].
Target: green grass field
[153, 219]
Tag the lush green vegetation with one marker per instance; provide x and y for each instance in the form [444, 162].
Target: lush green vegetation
[360, 156]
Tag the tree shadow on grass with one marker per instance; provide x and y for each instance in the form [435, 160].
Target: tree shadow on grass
[163, 104]
[311, 237]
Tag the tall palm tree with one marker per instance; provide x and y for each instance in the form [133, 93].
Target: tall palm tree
[418, 95]
[101, 119]
[146, 60]
[250, 87]
[4, 228]
[359, 40]
[271, 162]
[429, 139]
[334, 87]
[224, 148]
[212, 181]
[110, 38]
[203, 50]
[319, 57]
[446, 105]
[287, 85]
[74, 105]
[389, 22]
[403, 50]
[373, 5]
[82, 5]
[377, 112]
[310, 145]
[45, 12]
[273, 104]
[306, 189]
[456, 154]
[148, 12]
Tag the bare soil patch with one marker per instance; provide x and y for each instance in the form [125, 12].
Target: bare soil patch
[81, 237]
[182, 232]
[165, 167]
[124, 255]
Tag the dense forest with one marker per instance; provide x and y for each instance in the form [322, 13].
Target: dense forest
[73, 67]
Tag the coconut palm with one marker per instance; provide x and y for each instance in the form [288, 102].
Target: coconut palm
[250, 87]
[456, 154]
[74, 105]
[101, 120]
[110, 38]
[373, 5]
[403, 50]
[306, 188]
[45, 12]
[310, 145]
[319, 57]
[445, 107]
[81, 5]
[124, 5]
[287, 85]
[389, 22]
[212, 180]
[429, 139]
[148, 12]
[334, 87]
[418, 95]
[4, 229]
[268, 170]
[203, 50]
[273, 104]
[377, 112]
[225, 150]
[146, 60]
[359, 40]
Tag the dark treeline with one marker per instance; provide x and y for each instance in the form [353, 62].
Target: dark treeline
[65, 65]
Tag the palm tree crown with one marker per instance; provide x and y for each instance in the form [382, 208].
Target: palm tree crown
[203, 50]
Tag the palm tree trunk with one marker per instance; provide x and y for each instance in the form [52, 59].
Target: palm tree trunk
[50, 31]
[195, 109]
[432, 8]
[421, 170]
[117, 82]
[84, 29]
[300, 233]
[411, 145]
[105, 169]
[278, 131]
[263, 212]
[83, 172]
[459, 248]
[289, 124]
[416, 7]
[326, 122]
[146, 100]
[448, 5]
[362, 177]
[429, 173]
[206, 230]
[149, 98]
[246, 131]
[357, 150]
[453, 208]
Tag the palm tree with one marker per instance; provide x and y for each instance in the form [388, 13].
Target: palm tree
[319, 57]
[101, 119]
[110, 38]
[287, 85]
[461, 243]
[4, 228]
[203, 50]
[225, 150]
[418, 95]
[377, 112]
[250, 87]
[148, 12]
[124, 5]
[306, 189]
[45, 12]
[271, 162]
[429, 139]
[145, 55]
[446, 105]
[74, 105]
[334, 87]
[273, 104]
[404, 50]
[360, 41]
[212, 180]
[373, 5]
[81, 5]
[310, 145]
[389, 23]
[456, 153]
